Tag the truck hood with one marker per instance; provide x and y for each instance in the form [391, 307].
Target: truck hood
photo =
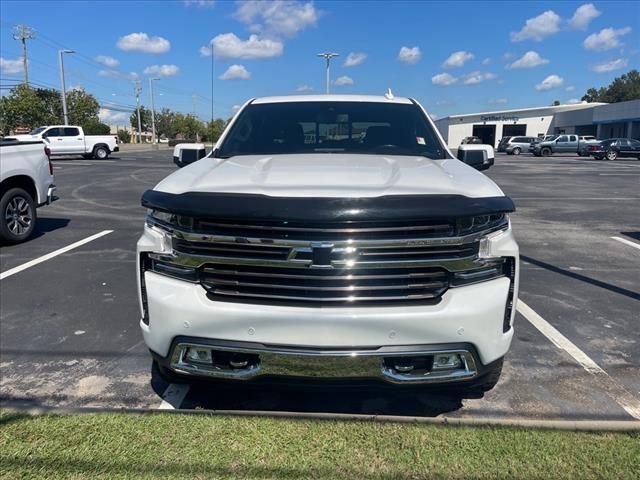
[330, 175]
[25, 138]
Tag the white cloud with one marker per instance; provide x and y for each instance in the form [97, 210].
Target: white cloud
[583, 16]
[235, 72]
[280, 17]
[498, 101]
[528, 60]
[410, 55]
[343, 80]
[304, 88]
[107, 61]
[573, 101]
[538, 28]
[443, 79]
[605, 39]
[141, 42]
[235, 108]
[228, 45]
[570, 88]
[610, 65]
[110, 117]
[552, 81]
[458, 59]
[355, 58]
[434, 117]
[162, 70]
[200, 3]
[474, 78]
[117, 75]
[11, 66]
[486, 61]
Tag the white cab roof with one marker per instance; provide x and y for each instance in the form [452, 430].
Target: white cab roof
[331, 98]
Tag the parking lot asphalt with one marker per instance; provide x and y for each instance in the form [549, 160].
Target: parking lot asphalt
[69, 333]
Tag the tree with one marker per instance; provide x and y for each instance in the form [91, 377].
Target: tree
[25, 108]
[555, 103]
[145, 119]
[124, 136]
[166, 123]
[214, 130]
[82, 107]
[93, 126]
[623, 88]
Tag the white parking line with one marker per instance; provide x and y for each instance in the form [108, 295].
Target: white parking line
[173, 396]
[627, 242]
[621, 396]
[55, 253]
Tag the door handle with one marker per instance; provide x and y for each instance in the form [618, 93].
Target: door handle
[59, 139]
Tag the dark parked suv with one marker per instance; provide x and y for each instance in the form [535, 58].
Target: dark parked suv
[613, 148]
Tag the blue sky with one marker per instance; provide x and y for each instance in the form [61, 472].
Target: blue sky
[454, 57]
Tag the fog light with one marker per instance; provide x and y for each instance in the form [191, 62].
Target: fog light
[198, 355]
[446, 361]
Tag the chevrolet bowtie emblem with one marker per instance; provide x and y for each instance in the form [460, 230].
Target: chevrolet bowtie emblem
[322, 255]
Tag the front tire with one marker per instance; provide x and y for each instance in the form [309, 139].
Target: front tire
[18, 216]
[486, 382]
[516, 151]
[545, 152]
[612, 155]
[101, 153]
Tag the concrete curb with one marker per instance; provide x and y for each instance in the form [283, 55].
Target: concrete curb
[566, 425]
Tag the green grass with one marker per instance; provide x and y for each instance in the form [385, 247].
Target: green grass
[111, 446]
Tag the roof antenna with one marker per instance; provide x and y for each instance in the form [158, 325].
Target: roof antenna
[389, 94]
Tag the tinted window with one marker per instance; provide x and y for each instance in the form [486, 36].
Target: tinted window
[518, 140]
[623, 143]
[71, 132]
[634, 143]
[563, 139]
[332, 127]
[54, 132]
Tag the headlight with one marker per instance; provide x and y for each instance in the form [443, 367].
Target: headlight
[492, 222]
[169, 220]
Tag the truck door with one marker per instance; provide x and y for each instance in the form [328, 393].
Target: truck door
[72, 141]
[562, 143]
[572, 146]
[54, 136]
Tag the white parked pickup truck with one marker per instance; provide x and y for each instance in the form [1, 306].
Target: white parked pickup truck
[71, 140]
[26, 182]
[331, 238]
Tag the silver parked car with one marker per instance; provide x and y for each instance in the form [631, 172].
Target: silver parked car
[517, 145]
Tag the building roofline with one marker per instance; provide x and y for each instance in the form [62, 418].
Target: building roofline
[567, 106]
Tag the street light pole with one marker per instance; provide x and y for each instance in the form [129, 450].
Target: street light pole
[153, 111]
[328, 56]
[64, 90]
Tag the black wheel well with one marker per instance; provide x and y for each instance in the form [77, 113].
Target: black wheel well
[20, 181]
[98, 145]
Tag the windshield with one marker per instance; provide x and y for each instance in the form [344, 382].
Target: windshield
[332, 127]
[36, 131]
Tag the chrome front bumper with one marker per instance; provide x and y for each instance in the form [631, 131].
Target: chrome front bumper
[389, 364]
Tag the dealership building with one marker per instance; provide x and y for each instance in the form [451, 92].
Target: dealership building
[603, 120]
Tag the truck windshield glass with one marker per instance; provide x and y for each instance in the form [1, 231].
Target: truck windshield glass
[332, 127]
[36, 131]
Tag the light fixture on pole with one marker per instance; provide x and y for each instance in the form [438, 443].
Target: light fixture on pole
[328, 56]
[153, 111]
[63, 93]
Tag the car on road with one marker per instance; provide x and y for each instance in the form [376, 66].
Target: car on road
[26, 183]
[71, 140]
[613, 148]
[502, 143]
[517, 145]
[471, 140]
[343, 257]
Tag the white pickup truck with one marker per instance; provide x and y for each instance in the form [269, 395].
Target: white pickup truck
[26, 182]
[71, 140]
[333, 238]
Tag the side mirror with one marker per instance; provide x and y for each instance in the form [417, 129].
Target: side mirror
[186, 153]
[480, 157]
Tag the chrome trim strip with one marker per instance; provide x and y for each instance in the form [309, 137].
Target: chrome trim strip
[240, 273]
[216, 282]
[320, 364]
[329, 230]
[349, 299]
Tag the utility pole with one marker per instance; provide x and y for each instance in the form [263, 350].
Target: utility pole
[137, 90]
[24, 33]
[64, 90]
[153, 111]
[328, 56]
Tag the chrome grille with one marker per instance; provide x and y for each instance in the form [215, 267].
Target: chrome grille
[327, 265]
